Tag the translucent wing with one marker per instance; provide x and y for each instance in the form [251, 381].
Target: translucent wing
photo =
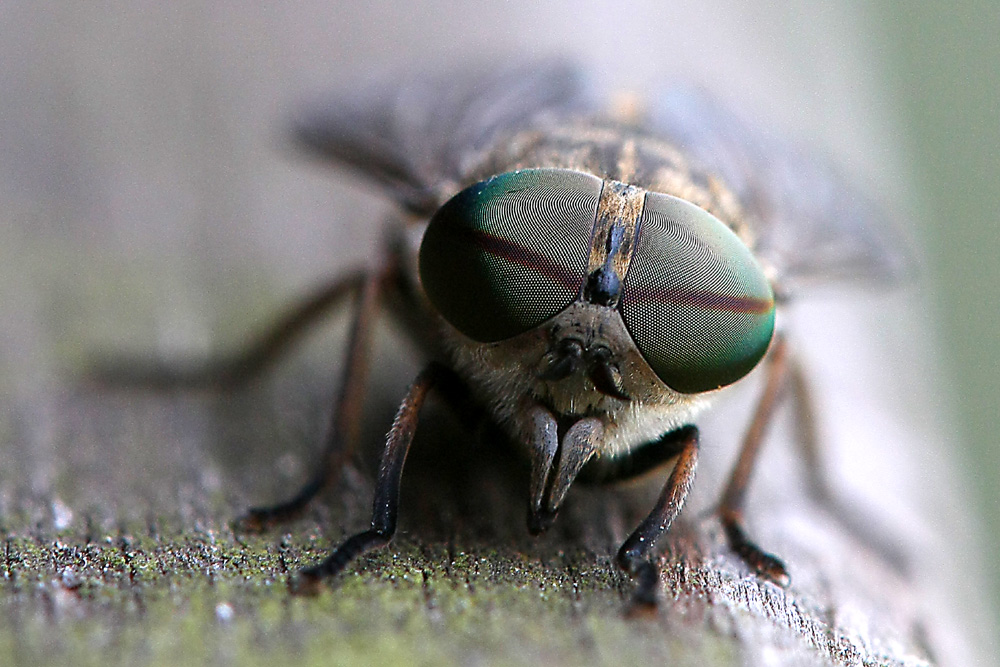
[420, 136]
[811, 224]
[414, 135]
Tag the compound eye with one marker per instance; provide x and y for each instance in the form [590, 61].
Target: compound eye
[508, 253]
[695, 301]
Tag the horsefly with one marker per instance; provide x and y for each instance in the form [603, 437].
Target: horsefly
[585, 282]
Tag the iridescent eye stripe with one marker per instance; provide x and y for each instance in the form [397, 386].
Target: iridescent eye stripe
[525, 257]
[708, 300]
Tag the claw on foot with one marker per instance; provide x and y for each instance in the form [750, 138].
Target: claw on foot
[253, 522]
[305, 583]
[764, 564]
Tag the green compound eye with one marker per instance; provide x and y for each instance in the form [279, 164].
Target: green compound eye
[508, 253]
[695, 301]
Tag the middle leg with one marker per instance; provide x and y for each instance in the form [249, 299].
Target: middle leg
[635, 554]
[734, 497]
[344, 428]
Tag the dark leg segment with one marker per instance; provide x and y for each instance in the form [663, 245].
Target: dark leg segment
[343, 431]
[386, 502]
[734, 498]
[638, 462]
[635, 555]
[234, 370]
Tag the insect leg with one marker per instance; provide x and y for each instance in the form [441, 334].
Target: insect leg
[734, 497]
[639, 461]
[386, 502]
[345, 423]
[235, 369]
[634, 555]
[818, 476]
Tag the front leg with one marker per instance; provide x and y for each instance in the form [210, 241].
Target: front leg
[386, 503]
[635, 556]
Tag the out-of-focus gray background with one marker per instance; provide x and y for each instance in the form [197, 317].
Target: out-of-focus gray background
[150, 202]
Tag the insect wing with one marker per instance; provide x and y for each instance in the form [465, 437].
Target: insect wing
[414, 135]
[418, 136]
[810, 223]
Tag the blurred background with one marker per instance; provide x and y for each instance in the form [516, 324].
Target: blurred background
[941, 72]
[150, 202]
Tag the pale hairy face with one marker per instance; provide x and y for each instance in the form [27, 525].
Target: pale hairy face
[505, 375]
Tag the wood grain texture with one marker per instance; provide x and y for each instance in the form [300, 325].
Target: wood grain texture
[123, 552]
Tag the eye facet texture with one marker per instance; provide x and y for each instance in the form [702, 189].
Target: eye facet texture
[695, 301]
[508, 253]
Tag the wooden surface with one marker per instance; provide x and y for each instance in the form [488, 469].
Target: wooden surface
[117, 546]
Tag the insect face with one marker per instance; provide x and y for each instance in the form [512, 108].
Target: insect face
[507, 254]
